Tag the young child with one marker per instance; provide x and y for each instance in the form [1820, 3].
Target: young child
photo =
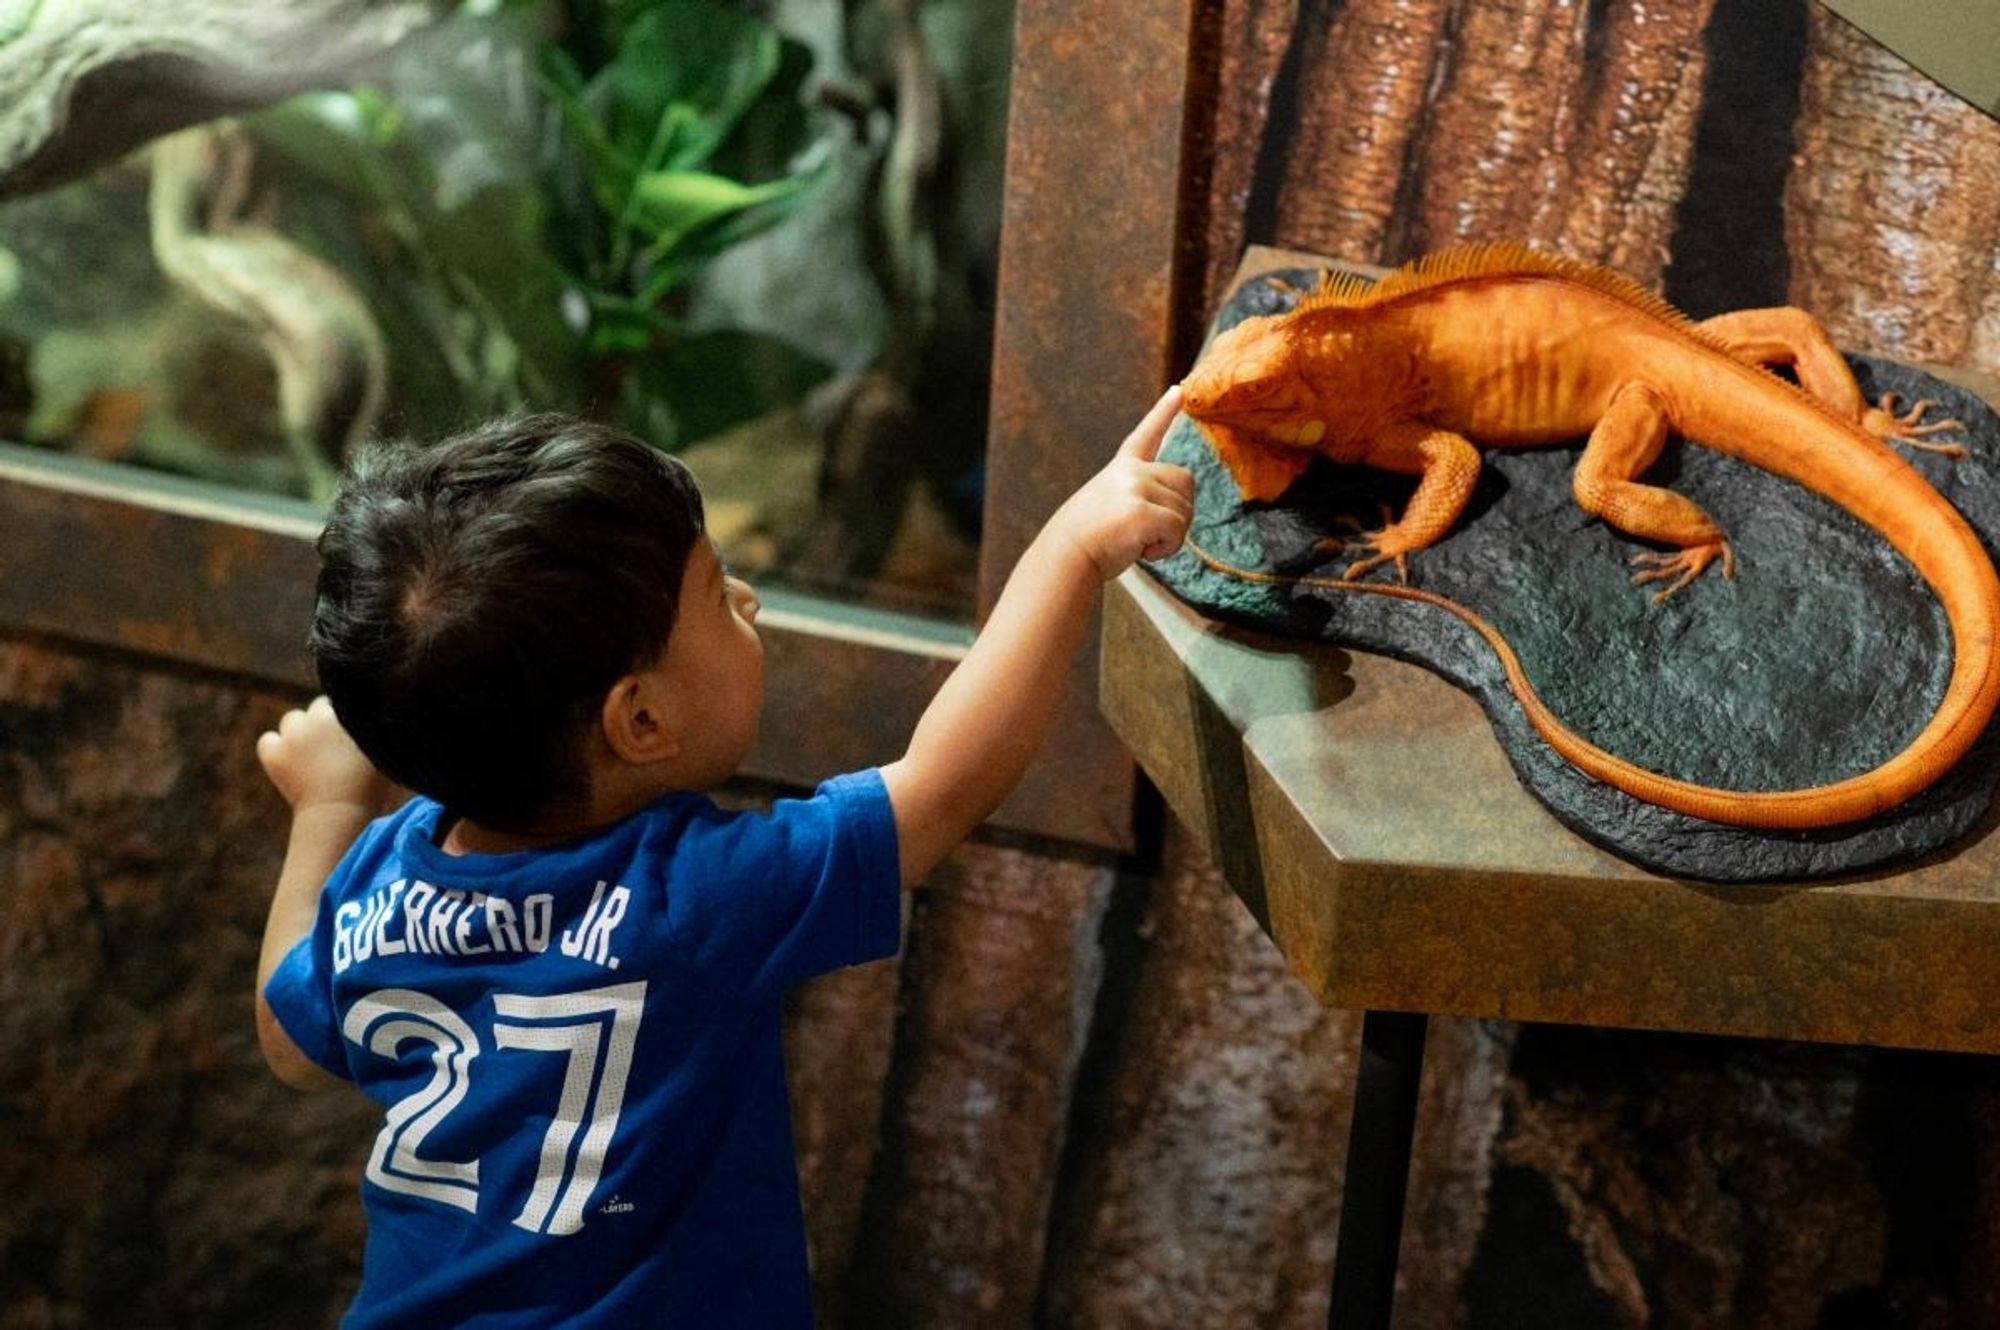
[560, 967]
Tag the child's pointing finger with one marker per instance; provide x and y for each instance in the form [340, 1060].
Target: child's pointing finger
[1143, 443]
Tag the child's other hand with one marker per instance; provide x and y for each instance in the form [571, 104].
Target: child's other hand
[312, 761]
[1136, 507]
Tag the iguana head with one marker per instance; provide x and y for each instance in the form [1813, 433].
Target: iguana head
[1247, 380]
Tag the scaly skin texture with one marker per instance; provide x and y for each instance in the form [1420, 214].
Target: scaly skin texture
[1503, 347]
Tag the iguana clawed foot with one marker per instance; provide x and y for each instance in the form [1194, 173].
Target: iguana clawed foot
[1360, 568]
[1882, 421]
[1388, 544]
[1683, 565]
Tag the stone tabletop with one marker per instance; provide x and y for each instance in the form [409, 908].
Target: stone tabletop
[1363, 810]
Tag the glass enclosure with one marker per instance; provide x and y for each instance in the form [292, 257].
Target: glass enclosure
[761, 236]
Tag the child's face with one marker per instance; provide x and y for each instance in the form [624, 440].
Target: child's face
[717, 662]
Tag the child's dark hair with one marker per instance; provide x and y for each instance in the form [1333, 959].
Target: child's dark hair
[479, 597]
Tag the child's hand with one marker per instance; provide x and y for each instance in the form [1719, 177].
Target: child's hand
[312, 761]
[1135, 508]
[334, 792]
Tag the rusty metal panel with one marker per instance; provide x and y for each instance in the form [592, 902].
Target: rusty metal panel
[96, 554]
[1084, 329]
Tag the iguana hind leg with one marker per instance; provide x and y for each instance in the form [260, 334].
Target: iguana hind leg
[1627, 440]
[1787, 336]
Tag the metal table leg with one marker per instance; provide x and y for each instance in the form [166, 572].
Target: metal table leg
[1378, 1170]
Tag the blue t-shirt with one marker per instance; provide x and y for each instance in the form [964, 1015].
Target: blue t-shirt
[579, 1055]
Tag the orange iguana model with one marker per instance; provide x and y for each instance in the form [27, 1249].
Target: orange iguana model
[1503, 347]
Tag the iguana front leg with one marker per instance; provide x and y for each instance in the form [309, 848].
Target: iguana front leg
[1262, 471]
[1627, 440]
[1787, 336]
[1447, 467]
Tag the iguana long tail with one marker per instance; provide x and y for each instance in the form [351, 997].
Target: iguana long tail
[1960, 718]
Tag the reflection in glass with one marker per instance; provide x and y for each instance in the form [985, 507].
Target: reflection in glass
[759, 235]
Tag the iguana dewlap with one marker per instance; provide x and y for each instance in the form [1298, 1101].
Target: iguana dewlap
[1503, 347]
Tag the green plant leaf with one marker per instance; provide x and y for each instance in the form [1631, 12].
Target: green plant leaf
[779, 127]
[622, 325]
[669, 206]
[635, 201]
[491, 249]
[760, 216]
[710, 381]
[608, 170]
[684, 73]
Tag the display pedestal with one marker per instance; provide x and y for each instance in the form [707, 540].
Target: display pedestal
[1363, 811]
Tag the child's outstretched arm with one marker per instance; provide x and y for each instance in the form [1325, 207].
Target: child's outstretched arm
[984, 726]
[334, 792]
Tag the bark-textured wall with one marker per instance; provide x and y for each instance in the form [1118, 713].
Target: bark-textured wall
[1630, 132]
[1002, 978]
[1732, 153]
[1375, 130]
[1204, 1178]
[1893, 211]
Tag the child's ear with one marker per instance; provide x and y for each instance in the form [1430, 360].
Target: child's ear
[639, 721]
